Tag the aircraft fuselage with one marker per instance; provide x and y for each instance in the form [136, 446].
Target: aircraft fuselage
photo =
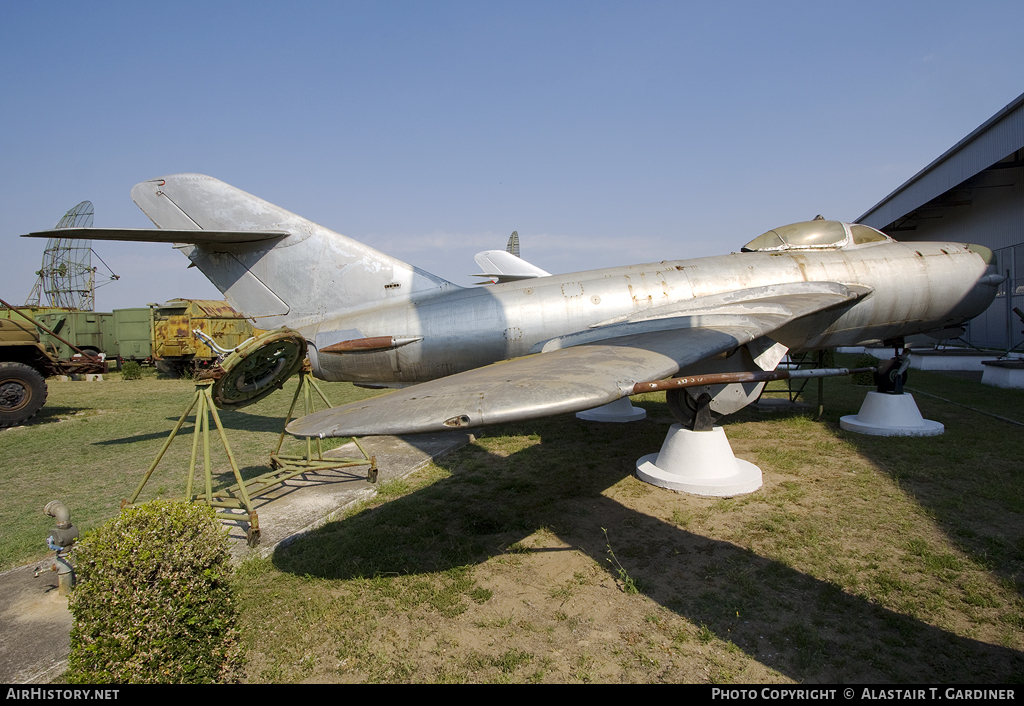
[916, 287]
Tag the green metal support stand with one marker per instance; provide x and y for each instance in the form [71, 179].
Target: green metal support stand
[300, 464]
[238, 497]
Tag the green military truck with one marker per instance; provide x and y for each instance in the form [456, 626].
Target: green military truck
[133, 335]
[159, 334]
[90, 331]
[25, 363]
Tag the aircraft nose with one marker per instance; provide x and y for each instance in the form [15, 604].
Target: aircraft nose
[981, 291]
[986, 254]
[991, 278]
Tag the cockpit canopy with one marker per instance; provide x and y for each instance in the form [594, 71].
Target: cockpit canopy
[815, 235]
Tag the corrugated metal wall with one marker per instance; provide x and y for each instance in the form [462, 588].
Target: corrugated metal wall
[999, 327]
[1000, 136]
[994, 218]
[991, 213]
[959, 198]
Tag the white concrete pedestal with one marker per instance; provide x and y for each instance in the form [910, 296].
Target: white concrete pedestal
[701, 463]
[1004, 373]
[618, 411]
[884, 414]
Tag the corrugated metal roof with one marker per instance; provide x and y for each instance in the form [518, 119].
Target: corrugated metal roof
[998, 137]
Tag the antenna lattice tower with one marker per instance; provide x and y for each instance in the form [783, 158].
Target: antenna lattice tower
[67, 277]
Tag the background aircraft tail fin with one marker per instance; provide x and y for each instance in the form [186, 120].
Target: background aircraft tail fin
[307, 274]
[512, 248]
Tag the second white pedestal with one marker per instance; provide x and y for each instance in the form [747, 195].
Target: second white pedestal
[884, 414]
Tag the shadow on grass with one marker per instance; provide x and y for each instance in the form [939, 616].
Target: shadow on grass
[231, 420]
[52, 414]
[799, 625]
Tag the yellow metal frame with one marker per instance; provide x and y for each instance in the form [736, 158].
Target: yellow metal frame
[283, 467]
[299, 464]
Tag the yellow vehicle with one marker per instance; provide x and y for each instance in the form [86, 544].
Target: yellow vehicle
[177, 350]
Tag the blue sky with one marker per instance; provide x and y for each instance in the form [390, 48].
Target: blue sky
[605, 133]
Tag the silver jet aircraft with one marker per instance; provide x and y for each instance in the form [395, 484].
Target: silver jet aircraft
[545, 345]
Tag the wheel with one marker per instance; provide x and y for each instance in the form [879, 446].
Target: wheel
[258, 367]
[681, 406]
[887, 376]
[684, 408]
[173, 369]
[22, 393]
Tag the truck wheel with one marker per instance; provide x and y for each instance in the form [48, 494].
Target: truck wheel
[22, 393]
[168, 369]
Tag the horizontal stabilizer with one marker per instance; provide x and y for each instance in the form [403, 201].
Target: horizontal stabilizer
[500, 266]
[154, 235]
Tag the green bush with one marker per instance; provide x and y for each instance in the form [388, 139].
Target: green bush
[153, 602]
[865, 360]
[131, 370]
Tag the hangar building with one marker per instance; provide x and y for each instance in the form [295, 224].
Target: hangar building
[973, 193]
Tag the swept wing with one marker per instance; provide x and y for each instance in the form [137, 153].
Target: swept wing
[585, 369]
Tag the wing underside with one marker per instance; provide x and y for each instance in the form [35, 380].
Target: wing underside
[574, 375]
[540, 385]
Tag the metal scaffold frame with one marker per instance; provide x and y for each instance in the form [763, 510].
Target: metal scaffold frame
[234, 503]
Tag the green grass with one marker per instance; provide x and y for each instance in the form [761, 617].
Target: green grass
[861, 558]
[92, 442]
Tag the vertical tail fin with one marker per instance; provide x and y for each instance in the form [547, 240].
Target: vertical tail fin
[295, 280]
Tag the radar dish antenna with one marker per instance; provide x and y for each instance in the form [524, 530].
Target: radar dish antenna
[67, 277]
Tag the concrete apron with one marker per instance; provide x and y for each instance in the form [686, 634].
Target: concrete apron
[307, 502]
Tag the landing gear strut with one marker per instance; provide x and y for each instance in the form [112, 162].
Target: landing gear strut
[891, 375]
[693, 414]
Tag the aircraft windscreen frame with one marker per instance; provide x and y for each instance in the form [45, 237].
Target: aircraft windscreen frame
[815, 234]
